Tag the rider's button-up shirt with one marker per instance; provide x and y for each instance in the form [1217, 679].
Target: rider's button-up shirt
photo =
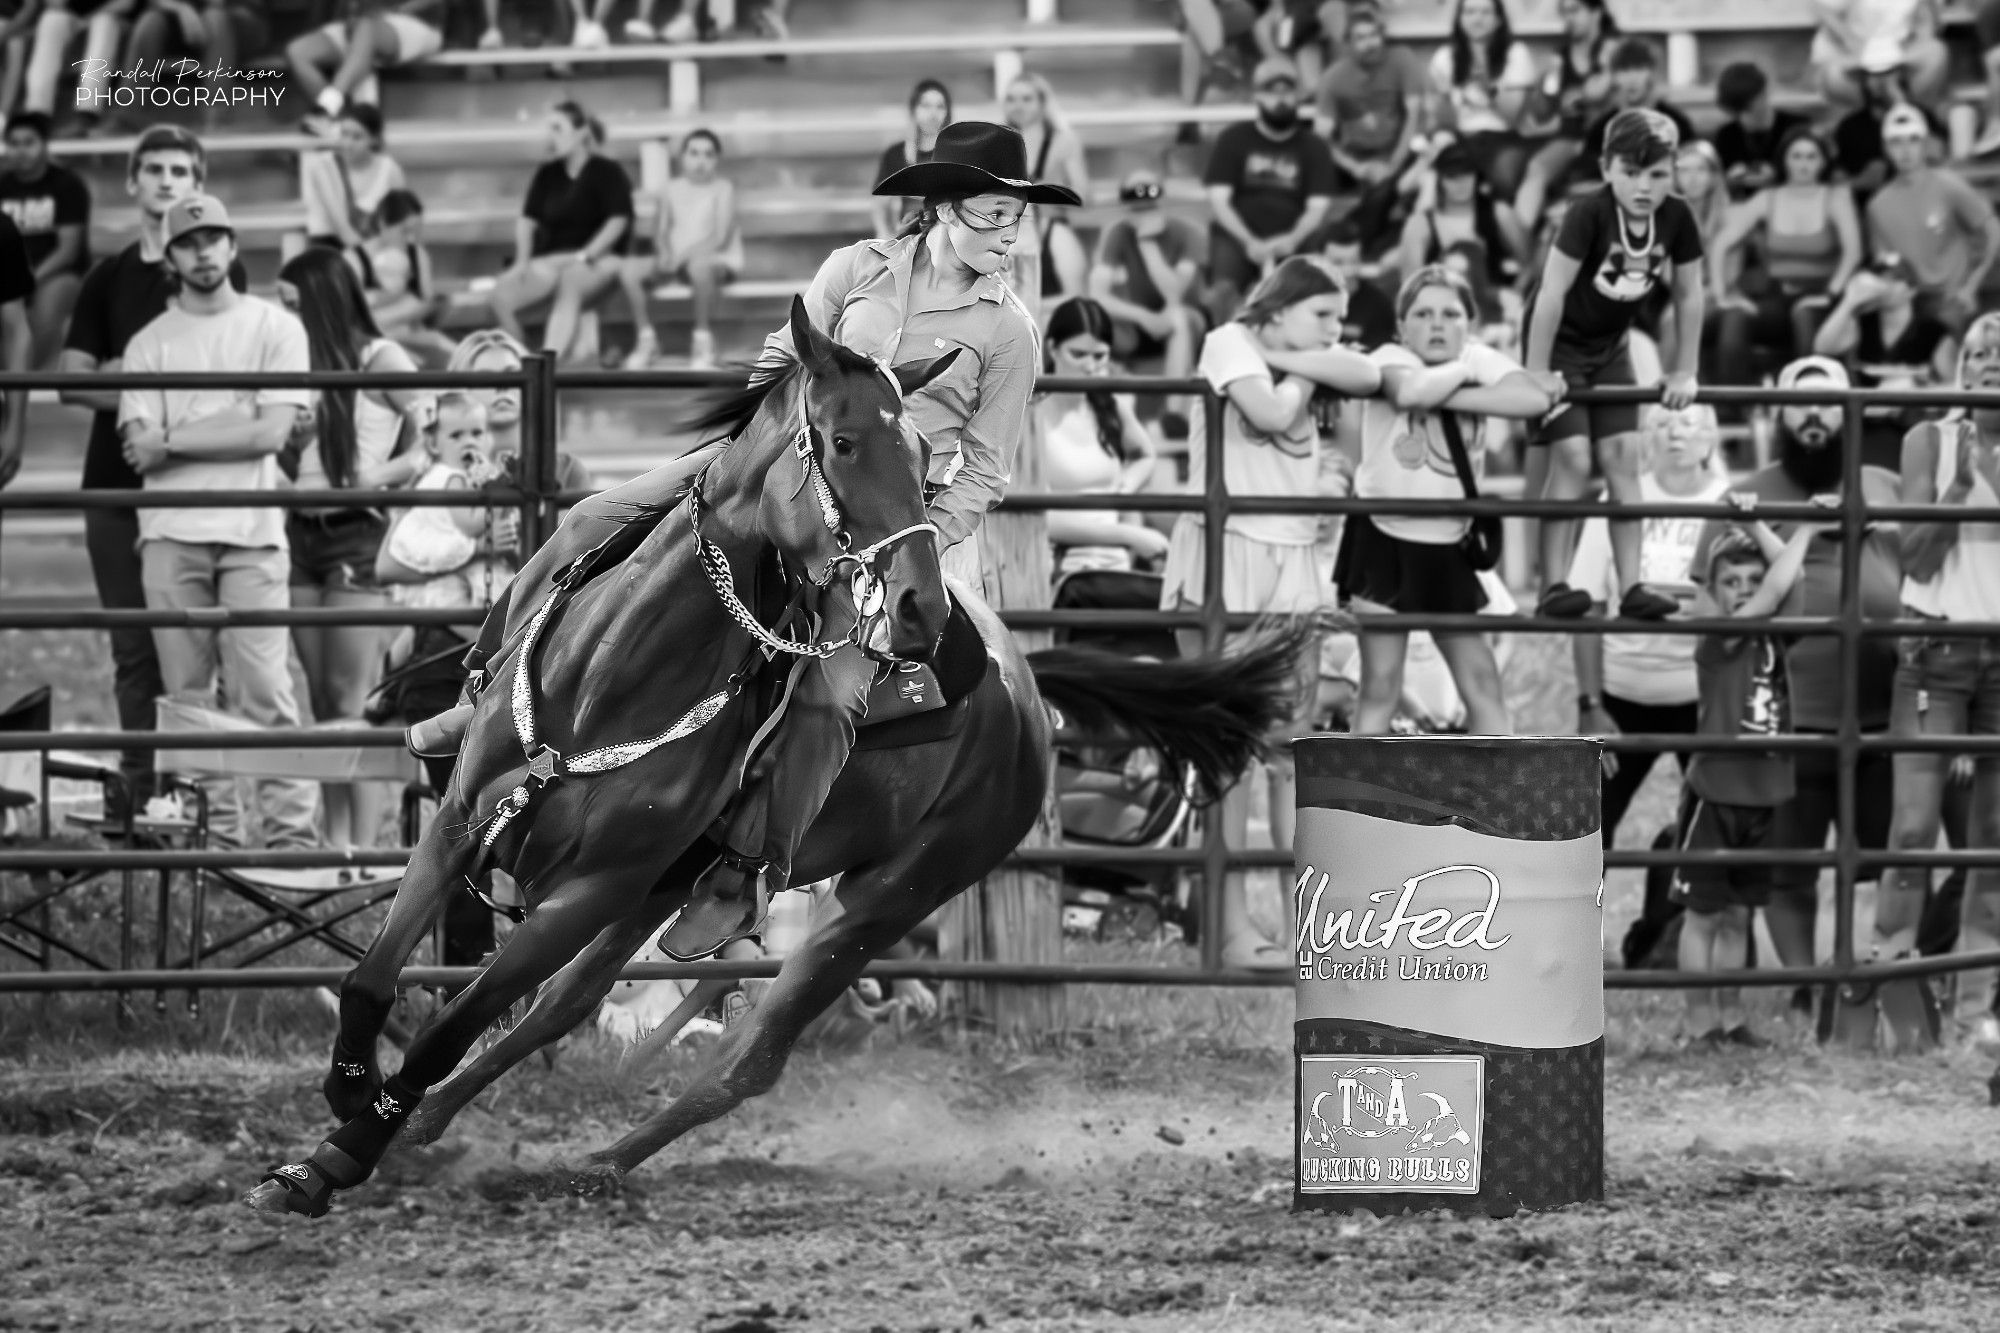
[974, 414]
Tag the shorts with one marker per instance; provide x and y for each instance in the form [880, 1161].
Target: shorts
[1260, 578]
[1404, 576]
[415, 39]
[1710, 826]
[335, 551]
[1597, 421]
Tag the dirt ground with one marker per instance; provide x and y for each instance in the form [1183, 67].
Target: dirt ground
[943, 1182]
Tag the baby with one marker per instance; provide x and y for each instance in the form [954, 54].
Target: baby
[442, 545]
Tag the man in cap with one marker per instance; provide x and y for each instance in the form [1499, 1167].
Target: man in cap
[1930, 216]
[1270, 182]
[1812, 465]
[1862, 38]
[227, 439]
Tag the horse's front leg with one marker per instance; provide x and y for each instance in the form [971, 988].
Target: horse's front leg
[569, 999]
[878, 905]
[561, 926]
[368, 991]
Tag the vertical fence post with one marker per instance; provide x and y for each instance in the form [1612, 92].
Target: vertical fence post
[539, 417]
[1214, 629]
[1847, 845]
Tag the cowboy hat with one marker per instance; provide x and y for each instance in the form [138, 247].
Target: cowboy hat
[975, 157]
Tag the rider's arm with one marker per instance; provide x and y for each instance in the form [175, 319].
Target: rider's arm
[824, 300]
[987, 445]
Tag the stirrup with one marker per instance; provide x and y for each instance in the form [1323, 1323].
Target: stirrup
[684, 939]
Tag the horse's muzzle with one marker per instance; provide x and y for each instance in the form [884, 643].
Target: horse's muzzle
[915, 604]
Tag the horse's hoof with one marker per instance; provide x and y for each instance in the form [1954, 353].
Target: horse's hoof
[597, 1180]
[298, 1188]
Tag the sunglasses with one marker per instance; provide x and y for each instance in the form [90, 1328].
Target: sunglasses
[1144, 193]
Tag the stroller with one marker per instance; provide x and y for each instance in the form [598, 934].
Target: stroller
[1119, 796]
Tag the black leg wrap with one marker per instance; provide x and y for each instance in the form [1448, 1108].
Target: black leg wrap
[361, 1142]
[352, 1081]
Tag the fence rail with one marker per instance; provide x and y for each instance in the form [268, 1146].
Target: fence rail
[540, 504]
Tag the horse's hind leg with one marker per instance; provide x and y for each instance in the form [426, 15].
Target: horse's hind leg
[368, 991]
[880, 904]
[569, 999]
[558, 929]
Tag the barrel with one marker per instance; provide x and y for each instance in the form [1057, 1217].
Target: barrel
[1449, 899]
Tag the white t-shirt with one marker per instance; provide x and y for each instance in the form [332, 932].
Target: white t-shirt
[1967, 585]
[251, 336]
[1648, 668]
[1404, 454]
[1471, 102]
[1254, 462]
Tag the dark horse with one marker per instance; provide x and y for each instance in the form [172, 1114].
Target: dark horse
[639, 640]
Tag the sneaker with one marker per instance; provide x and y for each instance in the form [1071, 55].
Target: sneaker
[680, 28]
[701, 353]
[1989, 142]
[644, 352]
[1563, 602]
[332, 101]
[1642, 603]
[772, 26]
[491, 40]
[638, 30]
[590, 35]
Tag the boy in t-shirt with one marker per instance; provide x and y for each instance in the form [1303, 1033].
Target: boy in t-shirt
[1615, 250]
[1732, 797]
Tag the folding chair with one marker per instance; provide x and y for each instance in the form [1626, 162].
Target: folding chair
[301, 905]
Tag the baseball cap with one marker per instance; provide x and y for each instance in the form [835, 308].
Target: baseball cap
[197, 212]
[1882, 55]
[1905, 121]
[1454, 159]
[1810, 368]
[1273, 70]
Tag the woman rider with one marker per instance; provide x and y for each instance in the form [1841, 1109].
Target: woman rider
[934, 288]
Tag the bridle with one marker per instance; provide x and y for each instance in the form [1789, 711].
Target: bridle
[869, 582]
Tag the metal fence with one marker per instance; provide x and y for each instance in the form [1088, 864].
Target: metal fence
[541, 504]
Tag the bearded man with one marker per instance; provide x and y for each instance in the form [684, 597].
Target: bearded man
[1270, 182]
[1812, 466]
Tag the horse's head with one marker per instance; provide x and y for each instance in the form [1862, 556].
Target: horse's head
[868, 517]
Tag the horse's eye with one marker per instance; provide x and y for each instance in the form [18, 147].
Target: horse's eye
[842, 445]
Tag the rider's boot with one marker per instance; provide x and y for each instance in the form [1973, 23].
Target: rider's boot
[440, 737]
[787, 786]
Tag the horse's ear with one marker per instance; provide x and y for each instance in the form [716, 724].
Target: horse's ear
[815, 352]
[913, 378]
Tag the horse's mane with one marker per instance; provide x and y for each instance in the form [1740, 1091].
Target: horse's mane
[727, 412]
[721, 414]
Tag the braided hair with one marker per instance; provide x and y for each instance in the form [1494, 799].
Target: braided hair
[1081, 316]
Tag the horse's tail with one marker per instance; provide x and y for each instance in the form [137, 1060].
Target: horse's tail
[1213, 713]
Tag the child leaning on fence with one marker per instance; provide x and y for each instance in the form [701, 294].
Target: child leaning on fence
[1732, 797]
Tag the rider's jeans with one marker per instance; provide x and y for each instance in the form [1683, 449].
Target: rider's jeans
[789, 782]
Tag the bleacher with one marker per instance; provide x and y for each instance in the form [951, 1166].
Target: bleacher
[802, 136]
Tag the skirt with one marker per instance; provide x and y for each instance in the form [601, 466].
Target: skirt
[1260, 578]
[1407, 577]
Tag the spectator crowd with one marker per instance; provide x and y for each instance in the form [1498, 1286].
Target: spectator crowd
[1392, 274]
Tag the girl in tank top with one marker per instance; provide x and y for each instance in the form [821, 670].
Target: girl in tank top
[1092, 443]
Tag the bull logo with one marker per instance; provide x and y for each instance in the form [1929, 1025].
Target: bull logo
[1374, 1103]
